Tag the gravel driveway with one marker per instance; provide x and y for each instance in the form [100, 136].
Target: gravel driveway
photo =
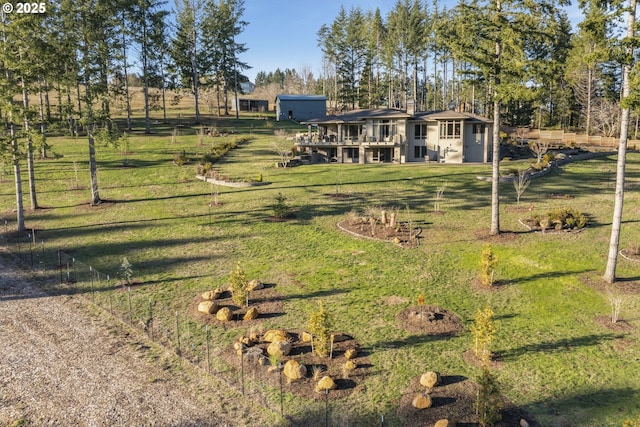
[61, 367]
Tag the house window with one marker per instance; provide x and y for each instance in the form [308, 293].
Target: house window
[383, 130]
[478, 128]
[420, 131]
[419, 152]
[450, 129]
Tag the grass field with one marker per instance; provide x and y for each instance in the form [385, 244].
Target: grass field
[558, 363]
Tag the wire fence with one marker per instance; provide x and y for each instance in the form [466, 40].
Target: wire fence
[164, 321]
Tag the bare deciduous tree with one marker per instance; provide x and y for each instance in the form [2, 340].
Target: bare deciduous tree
[521, 183]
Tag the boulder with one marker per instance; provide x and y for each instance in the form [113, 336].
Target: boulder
[211, 295]
[274, 335]
[306, 337]
[444, 423]
[224, 314]
[294, 370]
[325, 383]
[255, 285]
[279, 348]
[421, 401]
[523, 423]
[251, 314]
[430, 379]
[350, 353]
[207, 307]
[254, 355]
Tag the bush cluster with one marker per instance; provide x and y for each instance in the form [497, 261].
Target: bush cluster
[559, 219]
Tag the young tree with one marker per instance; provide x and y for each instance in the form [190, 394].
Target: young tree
[488, 402]
[320, 325]
[484, 331]
[239, 285]
[520, 184]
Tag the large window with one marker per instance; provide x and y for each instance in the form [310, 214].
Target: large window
[450, 129]
[420, 131]
[383, 130]
[478, 128]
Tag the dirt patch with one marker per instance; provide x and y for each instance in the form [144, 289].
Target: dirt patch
[621, 325]
[257, 366]
[394, 300]
[505, 236]
[267, 300]
[429, 320]
[629, 255]
[402, 235]
[453, 399]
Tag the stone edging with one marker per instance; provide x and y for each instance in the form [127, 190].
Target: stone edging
[236, 184]
[418, 232]
[622, 251]
[550, 231]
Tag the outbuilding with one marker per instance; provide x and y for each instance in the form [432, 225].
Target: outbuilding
[300, 107]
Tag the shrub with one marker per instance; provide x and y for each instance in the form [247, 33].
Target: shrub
[239, 284]
[484, 331]
[488, 262]
[562, 218]
[320, 325]
[280, 208]
[126, 271]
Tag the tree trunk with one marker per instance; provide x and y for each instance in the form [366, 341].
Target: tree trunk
[30, 167]
[614, 243]
[495, 176]
[18, 179]
[95, 195]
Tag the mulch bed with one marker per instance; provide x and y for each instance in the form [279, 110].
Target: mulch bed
[453, 399]
[257, 366]
[621, 325]
[429, 320]
[402, 234]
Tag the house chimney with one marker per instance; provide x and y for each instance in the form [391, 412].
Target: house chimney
[411, 106]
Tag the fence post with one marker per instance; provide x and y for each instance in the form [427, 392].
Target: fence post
[178, 351]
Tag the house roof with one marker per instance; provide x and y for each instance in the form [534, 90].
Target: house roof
[450, 115]
[301, 97]
[359, 116]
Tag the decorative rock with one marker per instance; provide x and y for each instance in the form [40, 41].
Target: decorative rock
[224, 314]
[279, 348]
[430, 379]
[325, 383]
[350, 353]
[274, 335]
[397, 240]
[255, 285]
[246, 341]
[306, 337]
[294, 370]
[444, 423]
[254, 355]
[238, 346]
[421, 401]
[211, 295]
[207, 307]
[350, 365]
[524, 423]
[251, 314]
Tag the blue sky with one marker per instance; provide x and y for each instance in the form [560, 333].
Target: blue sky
[282, 33]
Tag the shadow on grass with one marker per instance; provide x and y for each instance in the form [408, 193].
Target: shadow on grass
[541, 276]
[565, 411]
[560, 345]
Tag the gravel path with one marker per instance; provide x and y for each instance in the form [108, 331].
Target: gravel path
[61, 367]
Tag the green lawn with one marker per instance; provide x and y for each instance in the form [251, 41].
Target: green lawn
[557, 362]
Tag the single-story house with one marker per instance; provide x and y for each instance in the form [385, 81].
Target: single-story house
[300, 107]
[388, 135]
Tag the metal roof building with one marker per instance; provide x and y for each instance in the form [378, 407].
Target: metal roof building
[300, 107]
